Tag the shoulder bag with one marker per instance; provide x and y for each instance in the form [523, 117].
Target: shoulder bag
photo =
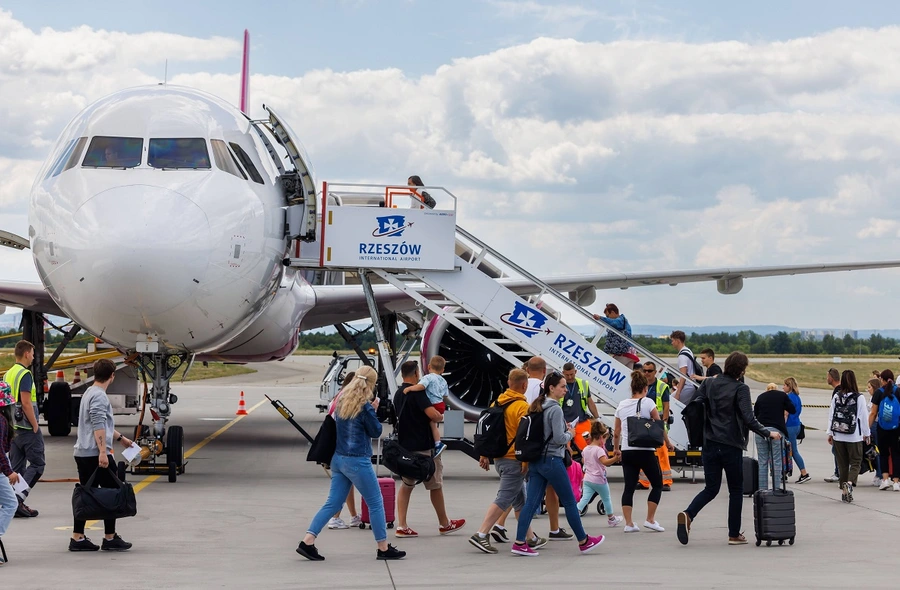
[322, 448]
[644, 432]
[405, 463]
[90, 503]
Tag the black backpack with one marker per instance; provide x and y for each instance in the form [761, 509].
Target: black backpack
[694, 417]
[490, 432]
[530, 439]
[698, 368]
[844, 420]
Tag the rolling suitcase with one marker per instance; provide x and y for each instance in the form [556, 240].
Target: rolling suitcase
[388, 495]
[751, 475]
[774, 516]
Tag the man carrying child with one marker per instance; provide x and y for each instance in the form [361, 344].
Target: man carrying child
[436, 389]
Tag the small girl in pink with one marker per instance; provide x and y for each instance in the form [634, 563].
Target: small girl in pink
[595, 462]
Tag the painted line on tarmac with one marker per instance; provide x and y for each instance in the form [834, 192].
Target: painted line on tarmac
[151, 478]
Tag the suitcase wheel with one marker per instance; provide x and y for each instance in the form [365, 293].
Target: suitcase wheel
[758, 542]
[768, 543]
[362, 526]
[390, 525]
[781, 541]
[791, 541]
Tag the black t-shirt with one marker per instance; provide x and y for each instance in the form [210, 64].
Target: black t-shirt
[413, 424]
[713, 370]
[880, 395]
[770, 407]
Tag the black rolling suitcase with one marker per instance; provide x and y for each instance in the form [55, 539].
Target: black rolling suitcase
[750, 467]
[774, 516]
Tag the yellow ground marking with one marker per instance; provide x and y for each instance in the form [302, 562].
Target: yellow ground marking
[89, 525]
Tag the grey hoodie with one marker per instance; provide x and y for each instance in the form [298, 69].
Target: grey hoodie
[555, 428]
[95, 413]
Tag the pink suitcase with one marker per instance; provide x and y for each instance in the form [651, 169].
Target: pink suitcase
[389, 495]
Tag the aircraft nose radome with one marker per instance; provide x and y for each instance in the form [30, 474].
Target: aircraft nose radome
[146, 249]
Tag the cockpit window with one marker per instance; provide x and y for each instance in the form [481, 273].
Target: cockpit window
[188, 153]
[247, 162]
[114, 152]
[69, 157]
[225, 160]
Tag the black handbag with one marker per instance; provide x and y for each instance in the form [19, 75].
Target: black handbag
[801, 434]
[644, 432]
[405, 463]
[90, 503]
[322, 448]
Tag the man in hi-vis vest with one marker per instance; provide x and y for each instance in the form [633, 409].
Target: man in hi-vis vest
[26, 452]
[659, 392]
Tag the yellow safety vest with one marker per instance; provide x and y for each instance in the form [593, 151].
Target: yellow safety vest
[583, 390]
[14, 378]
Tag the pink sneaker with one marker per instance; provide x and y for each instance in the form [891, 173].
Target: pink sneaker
[591, 543]
[524, 550]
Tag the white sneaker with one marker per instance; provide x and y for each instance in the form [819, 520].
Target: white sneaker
[615, 521]
[632, 529]
[654, 526]
[897, 486]
[876, 481]
[355, 521]
[337, 523]
[885, 485]
[832, 479]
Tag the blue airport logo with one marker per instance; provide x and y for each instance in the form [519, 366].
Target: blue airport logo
[391, 226]
[526, 320]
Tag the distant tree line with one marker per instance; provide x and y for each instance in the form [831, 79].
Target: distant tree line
[9, 337]
[779, 343]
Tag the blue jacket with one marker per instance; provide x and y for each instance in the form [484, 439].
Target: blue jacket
[354, 437]
[794, 419]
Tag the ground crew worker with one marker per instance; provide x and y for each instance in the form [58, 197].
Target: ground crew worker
[659, 392]
[26, 453]
[577, 405]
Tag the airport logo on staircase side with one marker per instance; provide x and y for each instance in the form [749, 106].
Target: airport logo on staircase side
[390, 226]
[525, 320]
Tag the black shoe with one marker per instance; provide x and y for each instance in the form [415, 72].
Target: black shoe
[562, 535]
[82, 545]
[667, 488]
[388, 554]
[117, 543]
[23, 511]
[311, 553]
[806, 478]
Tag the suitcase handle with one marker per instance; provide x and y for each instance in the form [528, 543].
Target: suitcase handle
[772, 465]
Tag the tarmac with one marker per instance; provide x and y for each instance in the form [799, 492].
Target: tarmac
[236, 516]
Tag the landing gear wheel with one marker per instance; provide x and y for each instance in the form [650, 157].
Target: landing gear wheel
[58, 409]
[791, 541]
[173, 472]
[175, 445]
[121, 470]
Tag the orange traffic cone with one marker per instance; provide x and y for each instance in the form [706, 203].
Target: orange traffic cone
[60, 375]
[242, 407]
[77, 378]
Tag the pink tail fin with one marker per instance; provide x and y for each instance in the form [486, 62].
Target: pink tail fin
[245, 74]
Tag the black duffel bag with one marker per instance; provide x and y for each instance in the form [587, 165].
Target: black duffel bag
[90, 503]
[406, 464]
[322, 448]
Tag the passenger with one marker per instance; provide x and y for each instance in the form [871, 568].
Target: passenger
[512, 473]
[884, 403]
[793, 426]
[8, 501]
[686, 388]
[833, 379]
[578, 407]
[771, 409]
[94, 453]
[414, 414]
[551, 469]
[634, 459]
[337, 522]
[708, 360]
[873, 386]
[420, 198]
[616, 346]
[596, 461]
[848, 427]
[658, 393]
[728, 416]
[435, 387]
[26, 453]
[357, 425]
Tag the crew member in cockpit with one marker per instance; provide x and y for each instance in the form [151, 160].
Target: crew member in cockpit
[111, 157]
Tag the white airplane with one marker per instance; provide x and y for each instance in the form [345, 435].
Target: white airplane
[162, 216]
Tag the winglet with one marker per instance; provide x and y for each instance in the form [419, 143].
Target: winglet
[245, 73]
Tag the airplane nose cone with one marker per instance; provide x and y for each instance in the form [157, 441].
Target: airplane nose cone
[145, 249]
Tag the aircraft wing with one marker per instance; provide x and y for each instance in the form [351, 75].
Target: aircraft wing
[30, 296]
[345, 303]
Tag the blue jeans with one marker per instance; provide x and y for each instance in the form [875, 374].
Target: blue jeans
[589, 489]
[769, 451]
[549, 470]
[717, 458]
[8, 503]
[792, 436]
[352, 471]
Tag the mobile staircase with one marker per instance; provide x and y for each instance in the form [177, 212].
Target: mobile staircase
[481, 292]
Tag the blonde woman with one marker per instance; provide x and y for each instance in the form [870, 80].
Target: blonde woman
[357, 425]
[793, 426]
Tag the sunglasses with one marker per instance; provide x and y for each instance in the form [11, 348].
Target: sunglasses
[649, 370]
[555, 374]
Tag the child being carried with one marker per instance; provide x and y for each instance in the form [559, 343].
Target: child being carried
[436, 389]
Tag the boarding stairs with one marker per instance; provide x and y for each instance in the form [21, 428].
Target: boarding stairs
[479, 294]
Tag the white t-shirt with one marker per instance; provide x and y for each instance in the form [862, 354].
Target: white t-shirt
[533, 391]
[687, 392]
[627, 408]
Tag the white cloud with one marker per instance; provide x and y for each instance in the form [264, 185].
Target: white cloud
[568, 156]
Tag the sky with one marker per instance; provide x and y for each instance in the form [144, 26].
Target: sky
[582, 137]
